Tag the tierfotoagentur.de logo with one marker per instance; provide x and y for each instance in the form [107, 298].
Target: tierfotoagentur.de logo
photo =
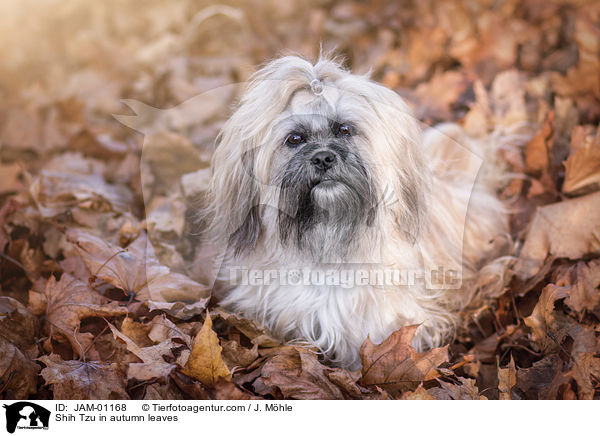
[24, 415]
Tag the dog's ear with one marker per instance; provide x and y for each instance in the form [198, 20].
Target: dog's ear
[233, 195]
[244, 238]
[397, 142]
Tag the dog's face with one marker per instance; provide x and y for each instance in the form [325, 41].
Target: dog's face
[321, 165]
[332, 162]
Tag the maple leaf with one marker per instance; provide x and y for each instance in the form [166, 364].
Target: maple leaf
[136, 270]
[205, 363]
[71, 300]
[76, 380]
[395, 366]
[295, 372]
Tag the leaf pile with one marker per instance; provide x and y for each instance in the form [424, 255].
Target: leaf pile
[105, 295]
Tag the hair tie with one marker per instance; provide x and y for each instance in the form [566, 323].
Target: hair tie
[316, 86]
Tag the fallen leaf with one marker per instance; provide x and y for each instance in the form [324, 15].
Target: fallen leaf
[157, 391]
[507, 379]
[18, 374]
[568, 229]
[205, 363]
[136, 270]
[226, 390]
[437, 96]
[153, 363]
[253, 332]
[418, 394]
[76, 380]
[586, 365]
[9, 178]
[19, 326]
[582, 78]
[538, 150]
[581, 283]
[395, 366]
[56, 192]
[464, 390]
[235, 355]
[136, 331]
[537, 378]
[546, 330]
[295, 373]
[70, 301]
[162, 329]
[582, 168]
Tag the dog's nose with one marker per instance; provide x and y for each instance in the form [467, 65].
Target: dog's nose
[323, 160]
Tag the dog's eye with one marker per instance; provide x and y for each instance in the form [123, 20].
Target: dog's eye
[294, 139]
[345, 130]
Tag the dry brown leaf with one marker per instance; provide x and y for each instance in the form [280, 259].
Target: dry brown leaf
[507, 379]
[227, 390]
[71, 300]
[165, 217]
[418, 394]
[253, 332]
[153, 363]
[437, 96]
[395, 366]
[56, 192]
[586, 365]
[75, 380]
[582, 168]
[235, 355]
[18, 374]
[538, 150]
[136, 331]
[546, 330]
[157, 391]
[581, 282]
[167, 155]
[135, 269]
[567, 229]
[205, 363]
[466, 390]
[19, 326]
[295, 372]
[9, 178]
[583, 77]
[161, 329]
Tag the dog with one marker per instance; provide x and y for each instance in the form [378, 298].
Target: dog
[339, 220]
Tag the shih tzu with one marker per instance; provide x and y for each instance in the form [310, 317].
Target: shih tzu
[340, 220]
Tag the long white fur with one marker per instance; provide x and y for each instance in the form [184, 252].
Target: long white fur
[422, 226]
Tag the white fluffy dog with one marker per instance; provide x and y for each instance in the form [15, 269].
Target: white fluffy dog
[339, 220]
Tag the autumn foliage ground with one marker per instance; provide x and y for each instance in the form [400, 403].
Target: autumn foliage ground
[101, 289]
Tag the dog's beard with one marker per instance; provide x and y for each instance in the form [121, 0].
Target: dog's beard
[323, 213]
